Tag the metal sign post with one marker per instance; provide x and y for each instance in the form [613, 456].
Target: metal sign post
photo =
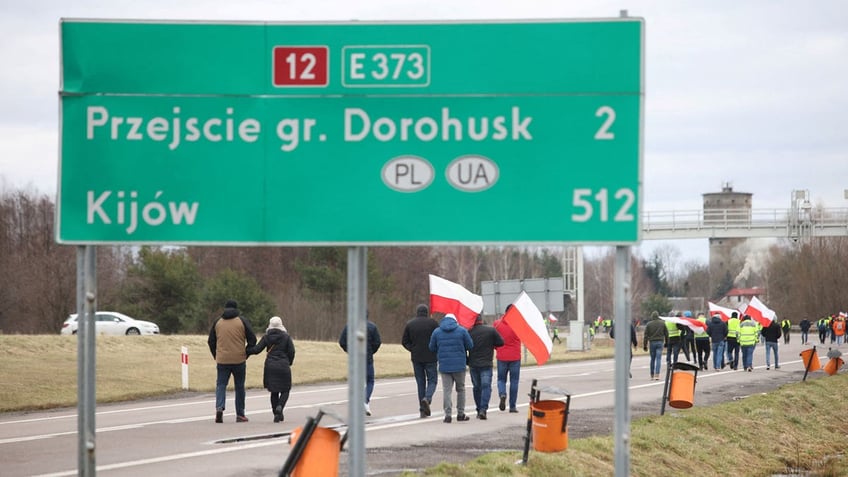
[357, 293]
[622, 325]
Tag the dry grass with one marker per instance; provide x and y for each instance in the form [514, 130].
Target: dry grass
[40, 371]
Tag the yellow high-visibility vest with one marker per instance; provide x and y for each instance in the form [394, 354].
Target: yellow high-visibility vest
[733, 329]
[703, 333]
[748, 334]
[672, 329]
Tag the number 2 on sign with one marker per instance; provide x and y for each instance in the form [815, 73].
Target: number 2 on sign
[604, 132]
[582, 200]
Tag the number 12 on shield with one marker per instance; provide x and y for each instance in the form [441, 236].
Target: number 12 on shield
[300, 66]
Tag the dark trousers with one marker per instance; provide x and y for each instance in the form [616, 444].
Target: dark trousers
[426, 377]
[703, 345]
[733, 353]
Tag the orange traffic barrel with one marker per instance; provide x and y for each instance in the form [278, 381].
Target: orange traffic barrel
[810, 359]
[550, 433]
[681, 394]
[321, 454]
[833, 366]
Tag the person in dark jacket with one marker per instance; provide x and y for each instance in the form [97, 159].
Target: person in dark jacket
[804, 325]
[451, 343]
[276, 377]
[485, 339]
[771, 335]
[228, 341]
[416, 340]
[655, 337]
[717, 329]
[372, 344]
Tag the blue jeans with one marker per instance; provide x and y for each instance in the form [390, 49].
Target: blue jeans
[426, 378]
[748, 356]
[656, 356]
[369, 381]
[805, 335]
[481, 382]
[513, 368]
[718, 354]
[771, 345]
[224, 371]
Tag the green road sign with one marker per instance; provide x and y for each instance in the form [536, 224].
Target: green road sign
[351, 133]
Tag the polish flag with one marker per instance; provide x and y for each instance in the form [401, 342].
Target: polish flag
[760, 312]
[722, 311]
[527, 322]
[552, 318]
[449, 297]
[693, 324]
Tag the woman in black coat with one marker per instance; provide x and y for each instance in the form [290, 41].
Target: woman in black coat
[278, 361]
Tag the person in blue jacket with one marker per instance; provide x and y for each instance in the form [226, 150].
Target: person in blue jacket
[451, 344]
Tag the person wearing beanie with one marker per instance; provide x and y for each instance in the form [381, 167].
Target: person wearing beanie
[655, 338]
[229, 338]
[485, 339]
[372, 344]
[416, 340]
[276, 377]
[451, 344]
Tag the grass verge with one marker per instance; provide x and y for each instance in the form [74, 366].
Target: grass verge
[40, 371]
[798, 429]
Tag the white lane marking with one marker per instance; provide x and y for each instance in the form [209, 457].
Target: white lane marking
[167, 458]
[163, 406]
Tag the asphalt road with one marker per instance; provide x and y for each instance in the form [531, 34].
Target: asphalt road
[177, 435]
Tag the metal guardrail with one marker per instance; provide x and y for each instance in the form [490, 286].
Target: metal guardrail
[740, 223]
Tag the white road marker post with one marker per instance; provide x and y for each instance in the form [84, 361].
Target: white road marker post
[184, 359]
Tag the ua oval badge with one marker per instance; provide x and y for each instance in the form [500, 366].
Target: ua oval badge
[472, 173]
[408, 173]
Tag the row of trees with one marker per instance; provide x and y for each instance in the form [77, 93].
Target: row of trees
[183, 288]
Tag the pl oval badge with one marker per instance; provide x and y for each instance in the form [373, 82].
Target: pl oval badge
[472, 173]
[408, 173]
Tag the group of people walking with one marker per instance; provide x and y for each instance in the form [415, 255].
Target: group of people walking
[231, 341]
[451, 349]
[727, 342]
[437, 349]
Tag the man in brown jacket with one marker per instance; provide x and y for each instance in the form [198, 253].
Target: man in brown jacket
[229, 338]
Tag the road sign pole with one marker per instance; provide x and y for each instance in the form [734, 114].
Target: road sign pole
[86, 306]
[357, 286]
[622, 361]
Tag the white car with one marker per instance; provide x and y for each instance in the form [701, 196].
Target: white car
[112, 323]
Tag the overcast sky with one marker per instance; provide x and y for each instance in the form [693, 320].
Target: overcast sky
[754, 93]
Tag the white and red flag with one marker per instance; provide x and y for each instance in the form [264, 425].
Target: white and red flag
[760, 312]
[722, 311]
[449, 297]
[552, 318]
[527, 322]
[693, 324]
